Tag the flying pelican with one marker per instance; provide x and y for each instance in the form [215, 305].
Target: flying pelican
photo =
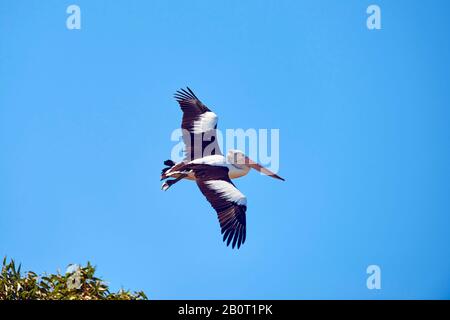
[212, 172]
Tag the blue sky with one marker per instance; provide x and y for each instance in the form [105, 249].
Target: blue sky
[85, 123]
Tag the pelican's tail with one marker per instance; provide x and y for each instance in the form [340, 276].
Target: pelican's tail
[174, 171]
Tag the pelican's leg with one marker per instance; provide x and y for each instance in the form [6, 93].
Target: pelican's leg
[168, 183]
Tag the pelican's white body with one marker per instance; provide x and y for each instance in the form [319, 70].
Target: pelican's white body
[234, 171]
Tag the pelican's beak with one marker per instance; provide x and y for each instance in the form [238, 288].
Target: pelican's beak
[261, 169]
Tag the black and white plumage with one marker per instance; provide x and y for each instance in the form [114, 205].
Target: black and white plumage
[229, 203]
[212, 172]
[199, 126]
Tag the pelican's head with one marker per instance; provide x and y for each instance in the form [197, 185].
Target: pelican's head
[236, 157]
[240, 160]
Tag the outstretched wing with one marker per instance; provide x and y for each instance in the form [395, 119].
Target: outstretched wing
[229, 203]
[199, 126]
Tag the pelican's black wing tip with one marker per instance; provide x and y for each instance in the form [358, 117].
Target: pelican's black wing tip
[183, 94]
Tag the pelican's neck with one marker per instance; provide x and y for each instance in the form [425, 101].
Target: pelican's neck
[236, 171]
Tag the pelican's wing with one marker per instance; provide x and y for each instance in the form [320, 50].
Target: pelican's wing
[199, 126]
[229, 203]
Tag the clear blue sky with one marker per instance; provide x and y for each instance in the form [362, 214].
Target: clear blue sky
[86, 118]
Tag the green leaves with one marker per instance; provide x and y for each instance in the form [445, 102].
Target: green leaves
[78, 284]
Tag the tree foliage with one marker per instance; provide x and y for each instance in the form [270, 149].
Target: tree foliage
[79, 284]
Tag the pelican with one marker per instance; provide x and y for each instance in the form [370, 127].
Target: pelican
[205, 164]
